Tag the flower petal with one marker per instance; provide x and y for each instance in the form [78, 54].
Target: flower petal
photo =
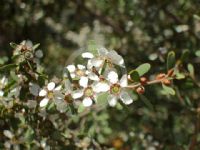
[77, 94]
[102, 51]
[113, 77]
[8, 134]
[87, 55]
[124, 81]
[51, 86]
[93, 76]
[81, 67]
[39, 54]
[112, 100]
[44, 102]
[116, 58]
[71, 68]
[58, 88]
[1, 93]
[83, 81]
[87, 102]
[97, 62]
[101, 87]
[43, 92]
[68, 86]
[125, 97]
[34, 89]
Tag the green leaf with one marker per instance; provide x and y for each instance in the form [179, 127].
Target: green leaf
[81, 108]
[29, 134]
[185, 55]
[13, 45]
[14, 76]
[134, 75]
[92, 47]
[102, 99]
[168, 90]
[180, 76]
[190, 68]
[7, 67]
[197, 53]
[196, 17]
[36, 46]
[171, 60]
[142, 69]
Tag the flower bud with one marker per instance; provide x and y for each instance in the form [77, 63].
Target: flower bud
[170, 72]
[143, 80]
[166, 81]
[140, 90]
[160, 76]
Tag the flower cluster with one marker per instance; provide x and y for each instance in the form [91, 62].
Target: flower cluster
[83, 84]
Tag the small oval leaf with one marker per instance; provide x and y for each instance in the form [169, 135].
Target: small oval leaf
[190, 68]
[185, 55]
[142, 69]
[171, 60]
[168, 90]
[197, 53]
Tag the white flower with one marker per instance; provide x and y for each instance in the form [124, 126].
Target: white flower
[117, 89]
[50, 92]
[76, 72]
[87, 92]
[87, 55]
[34, 89]
[39, 53]
[111, 56]
[8, 134]
[31, 103]
[3, 83]
[62, 100]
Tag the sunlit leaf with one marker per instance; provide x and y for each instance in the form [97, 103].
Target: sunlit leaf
[180, 76]
[168, 90]
[13, 45]
[190, 68]
[92, 47]
[196, 17]
[36, 46]
[142, 69]
[102, 99]
[81, 108]
[197, 53]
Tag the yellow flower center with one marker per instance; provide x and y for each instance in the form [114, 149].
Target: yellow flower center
[88, 92]
[79, 72]
[50, 94]
[115, 89]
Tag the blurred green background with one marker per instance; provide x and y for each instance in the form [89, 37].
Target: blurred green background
[141, 31]
[134, 28]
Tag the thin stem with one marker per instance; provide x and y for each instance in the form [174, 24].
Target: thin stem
[148, 83]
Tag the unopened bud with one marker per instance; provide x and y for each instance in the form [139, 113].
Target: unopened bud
[143, 80]
[170, 72]
[166, 82]
[160, 76]
[140, 90]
